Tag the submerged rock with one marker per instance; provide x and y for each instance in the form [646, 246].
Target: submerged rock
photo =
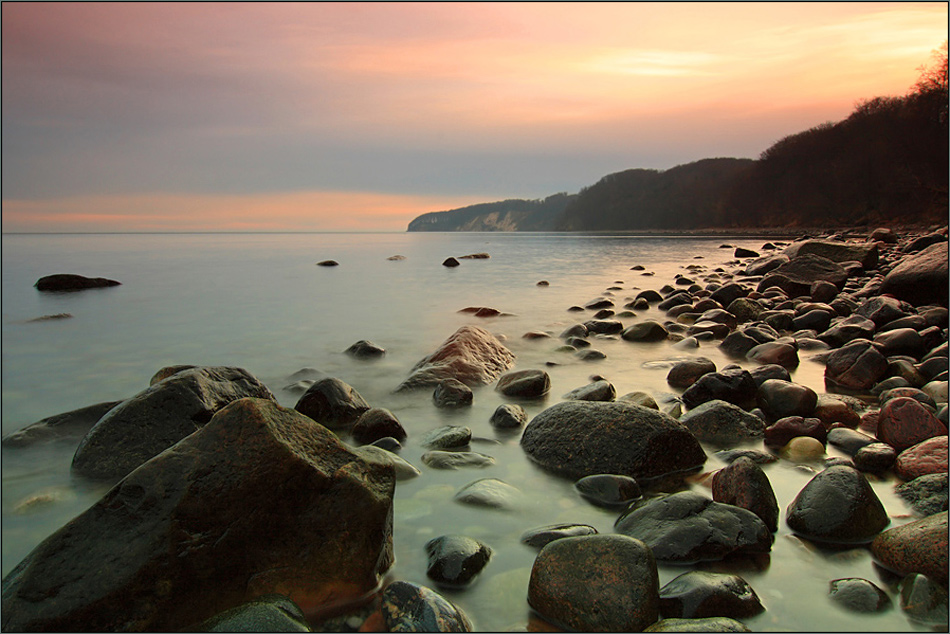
[69, 426]
[508, 416]
[471, 355]
[452, 393]
[608, 490]
[364, 349]
[744, 484]
[489, 492]
[408, 607]
[858, 595]
[723, 424]
[455, 560]
[64, 282]
[711, 624]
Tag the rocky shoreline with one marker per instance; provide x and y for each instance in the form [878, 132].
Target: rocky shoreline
[227, 507]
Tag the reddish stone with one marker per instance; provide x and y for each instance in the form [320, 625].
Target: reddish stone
[869, 422]
[832, 410]
[904, 422]
[779, 433]
[929, 456]
[920, 546]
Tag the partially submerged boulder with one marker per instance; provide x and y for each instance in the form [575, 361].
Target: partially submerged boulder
[250, 505]
[64, 282]
[471, 355]
[71, 425]
[332, 403]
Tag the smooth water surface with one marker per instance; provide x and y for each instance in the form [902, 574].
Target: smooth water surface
[259, 301]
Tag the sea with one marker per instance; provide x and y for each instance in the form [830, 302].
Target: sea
[260, 302]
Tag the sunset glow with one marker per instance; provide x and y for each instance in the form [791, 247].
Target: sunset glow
[359, 116]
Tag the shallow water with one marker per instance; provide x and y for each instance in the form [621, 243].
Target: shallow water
[258, 301]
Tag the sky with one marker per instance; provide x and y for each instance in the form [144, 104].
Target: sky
[360, 116]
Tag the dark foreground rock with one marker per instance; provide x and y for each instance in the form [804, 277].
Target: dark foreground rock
[580, 438]
[332, 403]
[837, 506]
[69, 426]
[471, 355]
[699, 594]
[155, 419]
[408, 607]
[454, 560]
[921, 278]
[64, 282]
[711, 624]
[227, 515]
[744, 484]
[271, 613]
[597, 583]
[919, 546]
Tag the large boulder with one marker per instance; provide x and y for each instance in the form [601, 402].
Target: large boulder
[929, 456]
[472, 355]
[734, 386]
[64, 282]
[581, 438]
[920, 279]
[71, 425]
[904, 422]
[919, 546]
[251, 504]
[837, 506]
[156, 418]
[865, 252]
[856, 366]
[332, 403]
[744, 484]
[796, 276]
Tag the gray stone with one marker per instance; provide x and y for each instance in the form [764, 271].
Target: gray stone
[837, 506]
[724, 424]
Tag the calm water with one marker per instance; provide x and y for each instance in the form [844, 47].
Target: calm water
[258, 301]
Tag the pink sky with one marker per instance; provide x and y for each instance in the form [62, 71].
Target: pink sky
[360, 116]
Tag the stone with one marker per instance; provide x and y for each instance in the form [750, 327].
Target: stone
[780, 399]
[364, 349]
[906, 341]
[590, 355]
[774, 352]
[608, 490]
[68, 426]
[450, 262]
[881, 309]
[837, 506]
[876, 457]
[66, 282]
[489, 492]
[408, 607]
[744, 484]
[455, 560]
[226, 515]
[848, 329]
[597, 583]
[646, 400]
[817, 319]
[156, 418]
[737, 344]
[700, 594]
[858, 595]
[733, 386]
[728, 293]
[169, 370]
[920, 279]
[687, 527]
[779, 433]
[724, 424]
[447, 437]
[923, 601]
[904, 422]
[332, 403]
[645, 331]
[796, 276]
[803, 449]
[524, 384]
[851, 441]
[597, 391]
[403, 469]
[865, 252]
[926, 494]
[541, 537]
[759, 457]
[929, 456]
[711, 624]
[856, 366]
[604, 327]
[376, 423]
[438, 459]
[742, 252]
[920, 546]
[745, 309]
[452, 393]
[471, 355]
[832, 409]
[475, 256]
[822, 291]
[579, 438]
[270, 613]
[328, 263]
[389, 444]
[685, 373]
[508, 416]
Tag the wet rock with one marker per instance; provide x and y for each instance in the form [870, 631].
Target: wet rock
[857, 365]
[438, 459]
[489, 492]
[866, 252]
[724, 424]
[364, 349]
[454, 560]
[926, 494]
[737, 344]
[759, 457]
[645, 400]
[447, 437]
[850, 441]
[608, 490]
[332, 403]
[541, 537]
[524, 384]
[904, 422]
[155, 419]
[906, 341]
[919, 546]
[817, 320]
[579, 438]
[450, 262]
[876, 457]
[590, 355]
[766, 264]
[858, 595]
[408, 607]
[647, 330]
[923, 601]
[742, 252]
[779, 433]
[226, 515]
[620, 588]
[728, 293]
[774, 352]
[169, 370]
[700, 594]
[389, 444]
[881, 309]
[780, 399]
[822, 291]
[604, 327]
[848, 329]
[733, 386]
[69, 426]
[687, 372]
[687, 527]
[744, 484]
[745, 309]
[837, 506]
[403, 469]
[796, 276]
[376, 423]
[452, 393]
[328, 263]
[65, 282]
[712, 624]
[803, 449]
[832, 409]
[929, 456]
[920, 279]
[508, 416]
[471, 355]
[270, 613]
[597, 391]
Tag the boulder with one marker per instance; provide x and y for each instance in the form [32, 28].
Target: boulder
[579, 438]
[156, 418]
[865, 252]
[780, 399]
[364, 349]
[734, 386]
[766, 264]
[700, 594]
[919, 546]
[332, 403]
[65, 282]
[471, 355]
[744, 484]
[856, 366]
[858, 595]
[724, 424]
[687, 372]
[687, 527]
[524, 384]
[929, 456]
[905, 422]
[881, 309]
[408, 607]
[376, 423]
[452, 393]
[920, 279]
[69, 426]
[597, 583]
[455, 560]
[796, 276]
[837, 506]
[508, 417]
[226, 515]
